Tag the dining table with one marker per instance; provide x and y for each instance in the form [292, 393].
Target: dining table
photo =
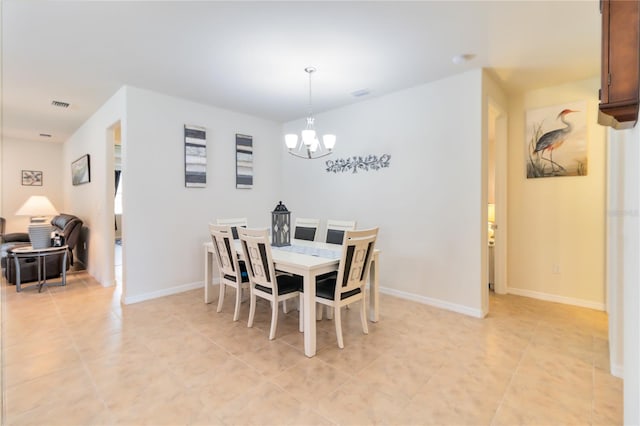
[307, 259]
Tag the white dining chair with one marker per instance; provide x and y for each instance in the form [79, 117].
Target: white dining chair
[353, 272]
[234, 223]
[305, 228]
[336, 228]
[232, 272]
[334, 235]
[264, 282]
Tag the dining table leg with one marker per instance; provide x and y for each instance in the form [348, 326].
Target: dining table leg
[309, 313]
[208, 267]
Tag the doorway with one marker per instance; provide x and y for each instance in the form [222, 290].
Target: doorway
[117, 205]
[114, 271]
[496, 199]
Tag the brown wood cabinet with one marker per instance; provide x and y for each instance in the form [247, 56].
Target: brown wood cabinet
[620, 91]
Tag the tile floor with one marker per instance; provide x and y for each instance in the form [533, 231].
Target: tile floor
[75, 356]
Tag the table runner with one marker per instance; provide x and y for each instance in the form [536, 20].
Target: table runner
[311, 251]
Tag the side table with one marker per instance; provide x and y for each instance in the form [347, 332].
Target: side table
[29, 252]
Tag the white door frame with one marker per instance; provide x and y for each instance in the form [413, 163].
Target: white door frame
[499, 115]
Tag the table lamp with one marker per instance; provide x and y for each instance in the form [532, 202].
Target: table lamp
[38, 207]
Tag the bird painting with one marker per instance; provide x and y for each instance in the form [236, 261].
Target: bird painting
[546, 136]
[554, 139]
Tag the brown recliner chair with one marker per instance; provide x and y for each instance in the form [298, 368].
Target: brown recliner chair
[65, 224]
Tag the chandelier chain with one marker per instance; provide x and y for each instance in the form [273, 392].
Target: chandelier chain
[310, 71]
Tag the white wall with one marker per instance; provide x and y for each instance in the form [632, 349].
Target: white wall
[26, 155]
[558, 220]
[89, 201]
[618, 163]
[164, 224]
[623, 265]
[427, 204]
[494, 171]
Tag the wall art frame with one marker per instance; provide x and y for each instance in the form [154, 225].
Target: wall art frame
[556, 141]
[31, 178]
[81, 170]
[244, 161]
[195, 156]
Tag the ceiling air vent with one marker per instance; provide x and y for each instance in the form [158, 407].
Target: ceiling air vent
[60, 104]
[359, 93]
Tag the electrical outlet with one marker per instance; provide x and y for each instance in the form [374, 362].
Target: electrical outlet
[555, 268]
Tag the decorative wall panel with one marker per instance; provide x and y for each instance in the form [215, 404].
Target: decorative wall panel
[195, 157]
[244, 161]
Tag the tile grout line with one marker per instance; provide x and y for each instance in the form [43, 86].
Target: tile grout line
[82, 359]
[513, 375]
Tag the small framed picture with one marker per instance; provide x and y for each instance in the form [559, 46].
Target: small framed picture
[81, 170]
[31, 178]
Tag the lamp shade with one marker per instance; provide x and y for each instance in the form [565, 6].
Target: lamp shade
[308, 136]
[291, 140]
[37, 205]
[329, 141]
[39, 233]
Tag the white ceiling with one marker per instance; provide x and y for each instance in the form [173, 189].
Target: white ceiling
[250, 56]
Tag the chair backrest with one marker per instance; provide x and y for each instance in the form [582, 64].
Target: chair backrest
[234, 223]
[71, 227]
[336, 228]
[305, 229]
[223, 245]
[357, 253]
[257, 256]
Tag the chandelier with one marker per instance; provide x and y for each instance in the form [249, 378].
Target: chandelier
[309, 145]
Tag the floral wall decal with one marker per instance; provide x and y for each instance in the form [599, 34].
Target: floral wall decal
[355, 163]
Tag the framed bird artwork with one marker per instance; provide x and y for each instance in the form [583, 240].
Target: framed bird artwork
[556, 141]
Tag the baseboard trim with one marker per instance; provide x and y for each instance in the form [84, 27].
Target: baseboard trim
[108, 283]
[128, 300]
[617, 370]
[461, 309]
[558, 299]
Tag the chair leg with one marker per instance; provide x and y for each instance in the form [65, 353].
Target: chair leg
[319, 309]
[337, 319]
[284, 307]
[274, 320]
[252, 308]
[301, 313]
[221, 297]
[363, 316]
[236, 313]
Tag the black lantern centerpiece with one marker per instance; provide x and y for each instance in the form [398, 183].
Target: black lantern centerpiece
[280, 226]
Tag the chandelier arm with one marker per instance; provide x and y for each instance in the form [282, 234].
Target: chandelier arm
[308, 156]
